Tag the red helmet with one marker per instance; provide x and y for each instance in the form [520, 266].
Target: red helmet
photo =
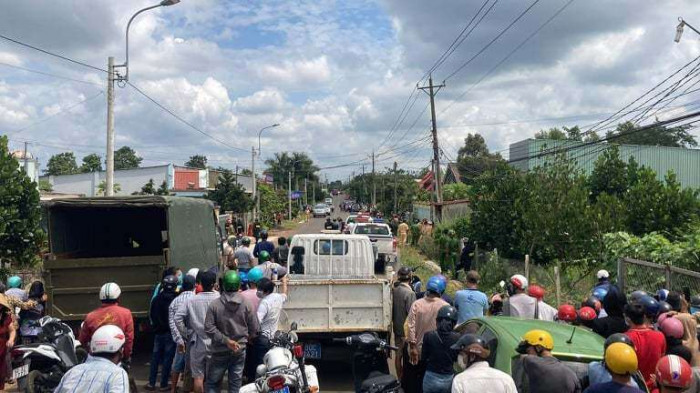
[566, 313]
[673, 371]
[536, 291]
[587, 314]
[593, 303]
[672, 327]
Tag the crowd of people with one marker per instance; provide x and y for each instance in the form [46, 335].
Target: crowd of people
[651, 341]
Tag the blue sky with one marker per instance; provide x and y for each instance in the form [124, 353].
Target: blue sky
[334, 74]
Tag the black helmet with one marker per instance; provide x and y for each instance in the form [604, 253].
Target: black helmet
[404, 272]
[263, 234]
[618, 338]
[467, 340]
[169, 283]
[637, 295]
[664, 307]
[447, 312]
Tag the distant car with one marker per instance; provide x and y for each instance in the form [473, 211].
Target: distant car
[321, 210]
[575, 346]
[380, 235]
[329, 201]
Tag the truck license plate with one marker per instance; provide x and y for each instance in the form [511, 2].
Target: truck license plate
[20, 372]
[312, 350]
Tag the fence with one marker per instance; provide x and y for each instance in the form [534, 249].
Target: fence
[451, 210]
[633, 274]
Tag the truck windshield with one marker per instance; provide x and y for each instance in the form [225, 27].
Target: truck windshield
[372, 230]
[331, 247]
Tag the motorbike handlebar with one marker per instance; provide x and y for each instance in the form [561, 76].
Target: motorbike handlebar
[393, 348]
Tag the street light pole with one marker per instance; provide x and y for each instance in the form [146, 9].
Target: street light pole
[679, 29]
[256, 197]
[113, 76]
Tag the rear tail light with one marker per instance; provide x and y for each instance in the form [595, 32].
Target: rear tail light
[298, 351]
[276, 382]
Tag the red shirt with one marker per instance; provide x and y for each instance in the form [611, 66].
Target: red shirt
[650, 346]
[109, 314]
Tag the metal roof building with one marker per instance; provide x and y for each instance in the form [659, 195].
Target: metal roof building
[685, 163]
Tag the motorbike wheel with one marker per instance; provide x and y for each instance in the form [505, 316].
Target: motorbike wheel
[34, 383]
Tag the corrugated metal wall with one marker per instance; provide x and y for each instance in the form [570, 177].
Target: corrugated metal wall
[186, 179]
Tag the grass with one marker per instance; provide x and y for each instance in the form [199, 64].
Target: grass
[411, 257]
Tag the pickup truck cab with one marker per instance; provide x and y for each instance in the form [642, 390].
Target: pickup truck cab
[379, 234]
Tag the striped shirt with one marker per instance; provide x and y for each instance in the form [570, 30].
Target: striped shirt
[96, 375]
[172, 310]
[192, 314]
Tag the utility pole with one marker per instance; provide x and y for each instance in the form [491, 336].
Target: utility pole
[306, 193]
[432, 91]
[109, 176]
[313, 188]
[374, 183]
[255, 186]
[26, 160]
[396, 210]
[289, 185]
[236, 174]
[364, 188]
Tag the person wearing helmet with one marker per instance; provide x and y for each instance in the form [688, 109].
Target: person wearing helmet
[230, 322]
[257, 229]
[544, 310]
[566, 313]
[594, 303]
[478, 377]
[263, 245]
[163, 344]
[694, 304]
[437, 353]
[269, 312]
[192, 315]
[110, 313]
[271, 270]
[672, 328]
[186, 292]
[614, 320]
[680, 311]
[251, 295]
[520, 304]
[402, 296]
[598, 373]
[421, 319]
[14, 289]
[101, 371]
[621, 363]
[496, 305]
[471, 302]
[243, 256]
[586, 316]
[672, 374]
[545, 373]
[603, 277]
[650, 344]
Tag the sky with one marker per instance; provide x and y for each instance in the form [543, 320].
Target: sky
[339, 77]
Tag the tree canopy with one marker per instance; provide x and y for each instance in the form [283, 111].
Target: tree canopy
[91, 163]
[61, 164]
[126, 158]
[626, 133]
[474, 158]
[197, 161]
[299, 164]
[229, 195]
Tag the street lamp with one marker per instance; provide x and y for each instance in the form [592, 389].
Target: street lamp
[255, 186]
[679, 29]
[113, 76]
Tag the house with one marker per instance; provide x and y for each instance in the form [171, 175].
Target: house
[452, 174]
[31, 163]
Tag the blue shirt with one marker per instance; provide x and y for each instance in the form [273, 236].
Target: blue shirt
[611, 387]
[470, 303]
[96, 375]
[597, 374]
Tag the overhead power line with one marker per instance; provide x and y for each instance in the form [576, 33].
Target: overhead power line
[51, 53]
[61, 111]
[49, 74]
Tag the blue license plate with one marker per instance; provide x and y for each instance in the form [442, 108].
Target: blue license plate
[312, 350]
[283, 390]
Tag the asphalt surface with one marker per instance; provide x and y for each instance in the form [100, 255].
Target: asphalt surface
[333, 376]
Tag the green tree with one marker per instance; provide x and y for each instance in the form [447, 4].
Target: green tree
[45, 186]
[474, 158]
[626, 133]
[552, 133]
[102, 187]
[271, 203]
[20, 215]
[229, 195]
[126, 158]
[609, 174]
[455, 191]
[149, 188]
[197, 161]
[163, 189]
[91, 163]
[299, 164]
[61, 164]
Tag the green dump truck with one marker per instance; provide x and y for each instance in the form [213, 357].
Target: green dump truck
[127, 240]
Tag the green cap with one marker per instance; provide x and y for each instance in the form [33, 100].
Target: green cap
[264, 256]
[232, 281]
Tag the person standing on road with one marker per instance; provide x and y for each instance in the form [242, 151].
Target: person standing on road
[281, 252]
[8, 336]
[230, 324]
[110, 313]
[545, 373]
[192, 315]
[263, 245]
[101, 372]
[243, 256]
[402, 230]
[403, 297]
[477, 376]
[163, 344]
[470, 302]
[421, 319]
[672, 374]
[180, 362]
[257, 228]
[269, 312]
[437, 353]
[520, 304]
[649, 343]
[614, 322]
[251, 295]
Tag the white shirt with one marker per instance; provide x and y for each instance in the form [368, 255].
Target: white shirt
[269, 312]
[480, 378]
[96, 375]
[546, 312]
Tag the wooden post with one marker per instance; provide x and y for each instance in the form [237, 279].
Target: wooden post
[668, 277]
[527, 267]
[557, 283]
[621, 274]
[475, 261]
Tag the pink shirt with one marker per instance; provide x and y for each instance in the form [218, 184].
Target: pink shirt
[422, 318]
[251, 295]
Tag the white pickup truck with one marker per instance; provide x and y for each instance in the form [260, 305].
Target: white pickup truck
[334, 291]
[380, 235]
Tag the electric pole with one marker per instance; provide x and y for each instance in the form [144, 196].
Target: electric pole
[364, 185]
[289, 188]
[236, 174]
[109, 176]
[26, 160]
[374, 184]
[306, 193]
[396, 210]
[255, 186]
[432, 91]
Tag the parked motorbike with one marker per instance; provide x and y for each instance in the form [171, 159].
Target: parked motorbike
[284, 369]
[370, 369]
[39, 367]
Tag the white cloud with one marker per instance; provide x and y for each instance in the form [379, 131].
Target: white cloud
[270, 100]
[296, 73]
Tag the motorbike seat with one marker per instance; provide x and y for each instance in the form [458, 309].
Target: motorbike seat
[377, 382]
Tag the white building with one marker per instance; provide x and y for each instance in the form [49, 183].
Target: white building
[32, 169]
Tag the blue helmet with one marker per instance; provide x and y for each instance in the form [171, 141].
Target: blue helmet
[14, 282]
[662, 294]
[436, 284]
[651, 306]
[255, 274]
[599, 293]
[243, 276]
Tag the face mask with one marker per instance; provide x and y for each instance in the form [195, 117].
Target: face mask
[462, 361]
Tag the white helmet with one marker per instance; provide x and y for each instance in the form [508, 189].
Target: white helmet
[107, 339]
[519, 281]
[602, 274]
[193, 272]
[110, 291]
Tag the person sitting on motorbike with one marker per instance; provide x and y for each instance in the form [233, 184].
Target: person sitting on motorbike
[110, 313]
[271, 270]
[264, 245]
[478, 376]
[29, 318]
[328, 225]
[14, 288]
[437, 353]
[100, 372]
